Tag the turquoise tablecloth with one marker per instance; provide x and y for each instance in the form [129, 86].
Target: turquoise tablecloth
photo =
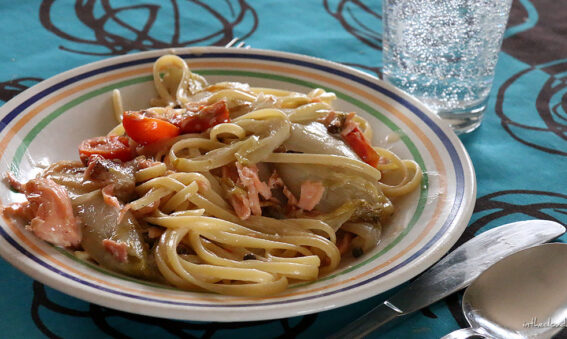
[520, 152]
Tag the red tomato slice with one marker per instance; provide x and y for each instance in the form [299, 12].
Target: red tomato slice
[205, 118]
[109, 147]
[147, 130]
[358, 143]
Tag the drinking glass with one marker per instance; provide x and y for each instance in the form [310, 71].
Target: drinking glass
[443, 52]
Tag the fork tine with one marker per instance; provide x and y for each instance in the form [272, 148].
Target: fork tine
[241, 44]
[231, 42]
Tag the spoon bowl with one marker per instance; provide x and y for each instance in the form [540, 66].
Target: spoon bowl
[521, 296]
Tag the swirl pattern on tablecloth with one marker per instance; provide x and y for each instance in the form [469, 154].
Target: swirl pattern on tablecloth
[103, 28]
[11, 88]
[544, 126]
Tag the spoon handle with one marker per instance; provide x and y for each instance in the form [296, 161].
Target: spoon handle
[463, 333]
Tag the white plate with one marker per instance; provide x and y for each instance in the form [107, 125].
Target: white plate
[47, 122]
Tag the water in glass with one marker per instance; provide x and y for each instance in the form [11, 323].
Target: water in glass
[444, 53]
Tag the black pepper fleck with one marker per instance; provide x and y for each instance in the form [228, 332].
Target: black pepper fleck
[249, 256]
[357, 252]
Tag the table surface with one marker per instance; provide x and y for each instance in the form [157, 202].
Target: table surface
[519, 152]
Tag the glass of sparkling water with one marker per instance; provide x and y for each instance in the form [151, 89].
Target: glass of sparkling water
[444, 52]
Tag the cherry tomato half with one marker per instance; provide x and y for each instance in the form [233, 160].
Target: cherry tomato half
[358, 143]
[147, 130]
[109, 147]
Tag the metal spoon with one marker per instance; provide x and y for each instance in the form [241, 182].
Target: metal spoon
[522, 296]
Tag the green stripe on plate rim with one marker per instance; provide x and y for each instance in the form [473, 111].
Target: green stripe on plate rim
[219, 72]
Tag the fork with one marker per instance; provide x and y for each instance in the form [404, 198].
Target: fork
[241, 44]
